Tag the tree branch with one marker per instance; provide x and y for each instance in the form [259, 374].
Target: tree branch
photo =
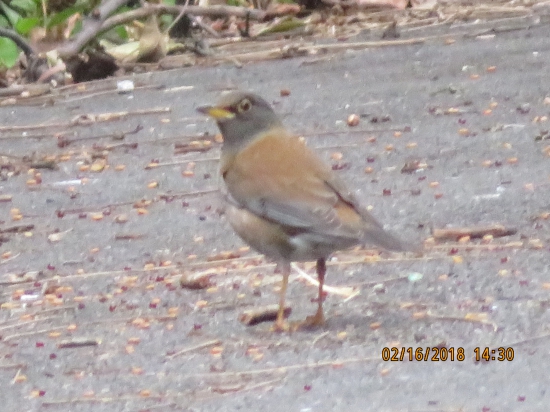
[95, 26]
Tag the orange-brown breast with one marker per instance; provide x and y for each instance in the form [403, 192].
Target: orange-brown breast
[279, 167]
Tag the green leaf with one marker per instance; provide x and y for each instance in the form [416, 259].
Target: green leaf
[62, 16]
[11, 14]
[169, 2]
[26, 24]
[8, 52]
[121, 32]
[282, 25]
[77, 27]
[166, 20]
[27, 6]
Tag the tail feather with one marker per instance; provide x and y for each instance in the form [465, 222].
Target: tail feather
[379, 237]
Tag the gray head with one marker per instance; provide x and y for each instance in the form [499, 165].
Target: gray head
[241, 116]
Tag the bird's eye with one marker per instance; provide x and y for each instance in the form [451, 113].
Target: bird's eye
[244, 106]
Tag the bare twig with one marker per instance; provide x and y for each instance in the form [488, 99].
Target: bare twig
[284, 369]
[32, 333]
[347, 292]
[77, 343]
[194, 348]
[456, 233]
[87, 119]
[98, 23]
[466, 318]
[91, 27]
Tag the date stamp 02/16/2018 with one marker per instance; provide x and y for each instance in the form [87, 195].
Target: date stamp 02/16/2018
[443, 354]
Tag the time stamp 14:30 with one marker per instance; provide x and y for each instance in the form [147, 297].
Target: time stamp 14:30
[436, 354]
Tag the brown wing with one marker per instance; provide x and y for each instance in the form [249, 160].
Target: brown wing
[279, 178]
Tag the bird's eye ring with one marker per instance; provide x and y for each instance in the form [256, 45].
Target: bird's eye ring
[244, 106]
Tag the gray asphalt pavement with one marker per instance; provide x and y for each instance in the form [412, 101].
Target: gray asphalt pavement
[92, 251]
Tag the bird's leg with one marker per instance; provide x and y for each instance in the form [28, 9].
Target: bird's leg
[319, 318]
[281, 325]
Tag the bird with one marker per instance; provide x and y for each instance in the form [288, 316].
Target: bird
[282, 199]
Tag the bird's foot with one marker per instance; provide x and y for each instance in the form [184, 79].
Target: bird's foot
[281, 326]
[312, 322]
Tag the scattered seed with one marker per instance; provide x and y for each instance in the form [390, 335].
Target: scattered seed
[536, 244]
[487, 238]
[19, 378]
[353, 120]
[216, 351]
[419, 315]
[97, 167]
[478, 317]
[122, 218]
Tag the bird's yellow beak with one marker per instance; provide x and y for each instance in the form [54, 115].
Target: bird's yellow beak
[217, 113]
